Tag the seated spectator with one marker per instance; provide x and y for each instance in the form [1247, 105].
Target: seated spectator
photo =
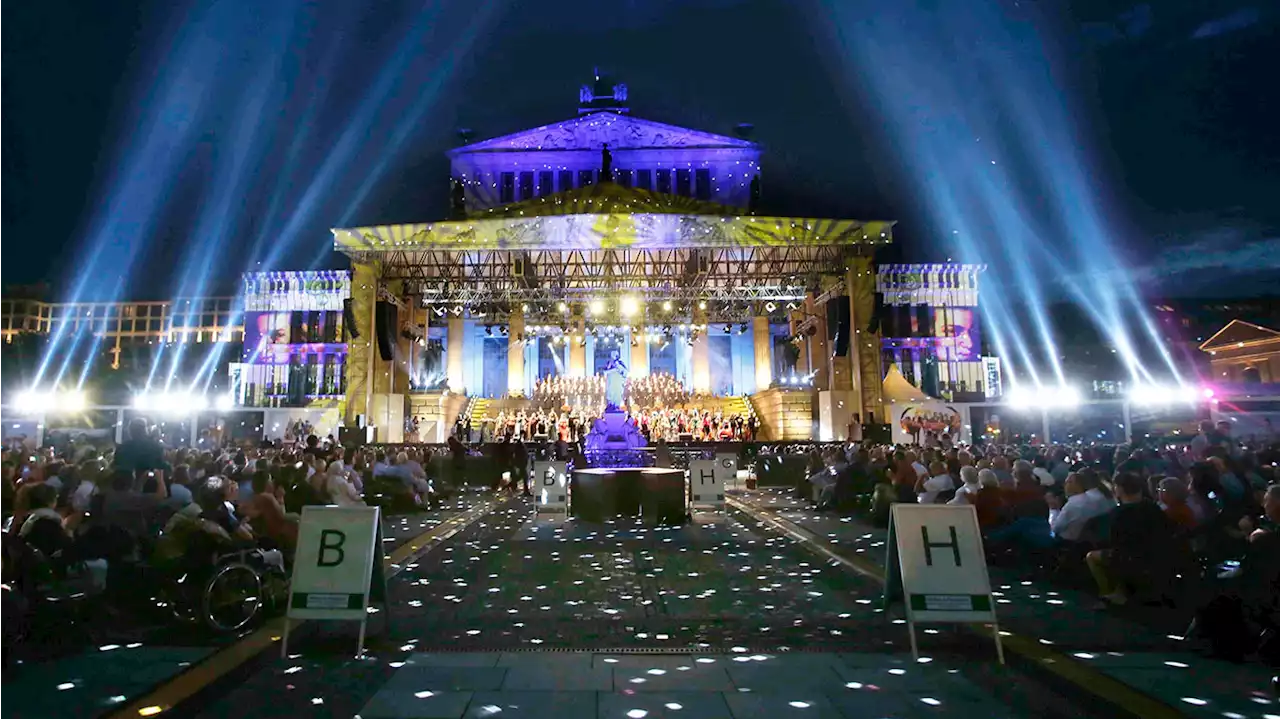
[340, 489]
[42, 527]
[1250, 599]
[1000, 466]
[927, 489]
[216, 498]
[972, 483]
[179, 487]
[1139, 548]
[121, 506]
[266, 512]
[1041, 471]
[1085, 500]
[1204, 492]
[989, 500]
[1172, 493]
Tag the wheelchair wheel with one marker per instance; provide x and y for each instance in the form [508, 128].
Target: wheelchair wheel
[232, 597]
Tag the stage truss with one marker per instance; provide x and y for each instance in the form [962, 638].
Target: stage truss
[730, 275]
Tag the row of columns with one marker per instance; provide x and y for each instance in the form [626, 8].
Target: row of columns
[638, 360]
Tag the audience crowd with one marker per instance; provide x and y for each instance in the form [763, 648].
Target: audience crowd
[1194, 524]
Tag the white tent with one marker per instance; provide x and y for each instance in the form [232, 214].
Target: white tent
[896, 388]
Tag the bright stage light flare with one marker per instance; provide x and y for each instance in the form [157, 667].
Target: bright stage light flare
[1042, 397]
[32, 402]
[596, 307]
[630, 306]
[224, 403]
[1160, 395]
[71, 402]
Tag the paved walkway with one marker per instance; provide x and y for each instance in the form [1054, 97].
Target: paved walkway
[1142, 657]
[531, 616]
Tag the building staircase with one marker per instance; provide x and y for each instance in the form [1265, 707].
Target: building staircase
[478, 410]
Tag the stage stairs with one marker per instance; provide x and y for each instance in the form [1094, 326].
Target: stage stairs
[479, 410]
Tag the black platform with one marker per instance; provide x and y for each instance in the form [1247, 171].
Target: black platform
[600, 494]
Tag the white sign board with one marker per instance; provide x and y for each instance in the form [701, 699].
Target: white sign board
[727, 469]
[333, 568]
[552, 484]
[706, 482]
[334, 563]
[942, 566]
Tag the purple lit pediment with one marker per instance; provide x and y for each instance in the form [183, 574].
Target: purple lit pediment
[589, 132]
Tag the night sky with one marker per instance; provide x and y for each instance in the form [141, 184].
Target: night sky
[296, 118]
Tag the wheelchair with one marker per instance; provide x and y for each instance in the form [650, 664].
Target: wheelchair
[230, 590]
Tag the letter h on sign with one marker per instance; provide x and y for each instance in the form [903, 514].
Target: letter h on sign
[930, 546]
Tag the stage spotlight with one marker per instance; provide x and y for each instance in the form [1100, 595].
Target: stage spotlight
[702, 305]
[728, 329]
[742, 328]
[596, 307]
[1207, 392]
[1019, 398]
[563, 306]
[666, 306]
[524, 307]
[488, 329]
[1064, 396]
[224, 403]
[33, 402]
[630, 306]
[770, 306]
[504, 330]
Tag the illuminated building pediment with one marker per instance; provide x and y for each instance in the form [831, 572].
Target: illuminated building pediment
[590, 132]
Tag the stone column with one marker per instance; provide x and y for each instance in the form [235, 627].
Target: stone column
[578, 349]
[701, 355]
[515, 354]
[639, 354]
[762, 342]
[454, 352]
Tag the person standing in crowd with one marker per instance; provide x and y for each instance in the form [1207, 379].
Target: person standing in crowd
[140, 453]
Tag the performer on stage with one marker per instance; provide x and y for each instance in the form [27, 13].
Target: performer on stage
[615, 374]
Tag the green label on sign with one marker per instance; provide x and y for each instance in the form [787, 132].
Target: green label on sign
[950, 602]
[315, 600]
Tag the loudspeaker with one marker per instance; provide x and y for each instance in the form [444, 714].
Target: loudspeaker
[838, 328]
[349, 320]
[877, 315]
[386, 320]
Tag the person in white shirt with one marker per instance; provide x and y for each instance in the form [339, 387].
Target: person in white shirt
[1085, 500]
[927, 489]
[972, 482]
[921, 471]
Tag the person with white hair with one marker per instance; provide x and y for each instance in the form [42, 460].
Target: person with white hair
[971, 477]
[340, 489]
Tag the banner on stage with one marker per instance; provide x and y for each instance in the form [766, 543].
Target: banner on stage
[553, 484]
[337, 562]
[706, 482]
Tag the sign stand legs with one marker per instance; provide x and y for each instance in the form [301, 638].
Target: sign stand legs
[911, 632]
[360, 641]
[284, 640]
[995, 632]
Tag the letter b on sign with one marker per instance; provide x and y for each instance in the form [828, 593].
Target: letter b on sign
[331, 553]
